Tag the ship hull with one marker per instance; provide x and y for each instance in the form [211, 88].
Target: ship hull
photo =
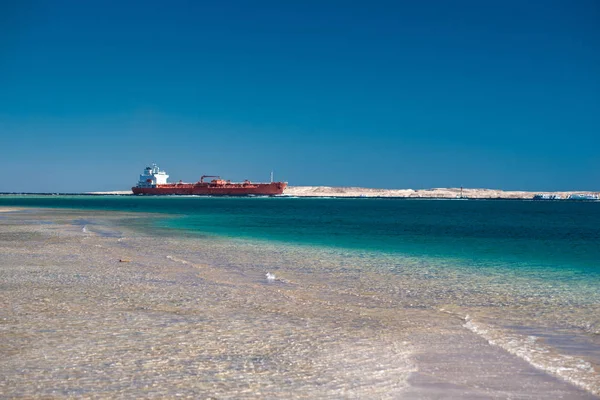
[256, 189]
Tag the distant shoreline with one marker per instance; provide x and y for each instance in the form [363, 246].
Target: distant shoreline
[358, 192]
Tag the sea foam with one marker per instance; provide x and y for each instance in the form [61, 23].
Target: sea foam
[576, 371]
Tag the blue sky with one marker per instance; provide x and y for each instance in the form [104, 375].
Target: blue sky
[398, 94]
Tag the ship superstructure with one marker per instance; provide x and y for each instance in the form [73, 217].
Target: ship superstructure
[153, 181]
[152, 176]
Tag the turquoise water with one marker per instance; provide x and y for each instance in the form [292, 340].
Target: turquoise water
[523, 275]
[543, 236]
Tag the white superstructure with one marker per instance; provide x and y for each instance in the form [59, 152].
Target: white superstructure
[152, 176]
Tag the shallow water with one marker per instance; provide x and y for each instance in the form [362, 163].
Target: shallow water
[542, 235]
[524, 278]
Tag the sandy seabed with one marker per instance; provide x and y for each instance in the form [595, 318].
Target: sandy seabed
[92, 309]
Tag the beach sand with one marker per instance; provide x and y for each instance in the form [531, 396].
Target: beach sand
[90, 308]
[8, 209]
[435, 193]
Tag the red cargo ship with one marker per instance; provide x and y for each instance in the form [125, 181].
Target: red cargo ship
[154, 182]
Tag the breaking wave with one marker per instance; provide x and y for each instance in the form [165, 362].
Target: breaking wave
[571, 369]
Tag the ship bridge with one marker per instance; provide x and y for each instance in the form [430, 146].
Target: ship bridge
[152, 176]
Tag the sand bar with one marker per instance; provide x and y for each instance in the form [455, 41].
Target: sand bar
[9, 209]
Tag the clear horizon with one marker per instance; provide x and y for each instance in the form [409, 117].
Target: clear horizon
[500, 95]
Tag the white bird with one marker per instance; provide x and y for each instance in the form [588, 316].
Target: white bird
[270, 276]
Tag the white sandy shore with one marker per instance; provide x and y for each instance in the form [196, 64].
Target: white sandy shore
[114, 192]
[436, 193]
